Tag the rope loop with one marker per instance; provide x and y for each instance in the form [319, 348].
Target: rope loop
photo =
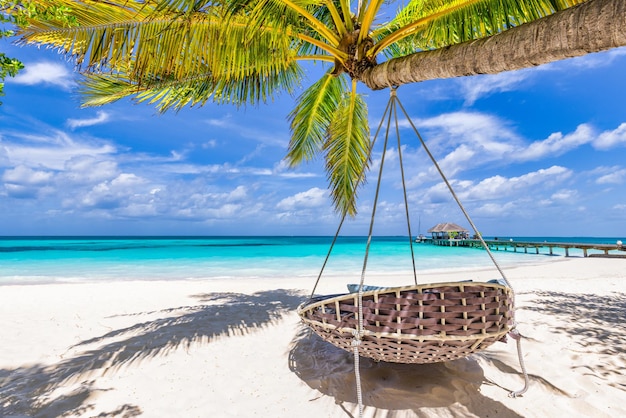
[515, 334]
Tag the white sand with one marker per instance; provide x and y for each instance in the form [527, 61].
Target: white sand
[237, 349]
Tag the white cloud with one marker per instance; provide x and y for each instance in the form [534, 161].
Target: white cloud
[564, 194]
[24, 182]
[557, 144]
[477, 87]
[478, 130]
[452, 162]
[25, 175]
[139, 210]
[495, 209]
[250, 131]
[114, 193]
[283, 169]
[240, 192]
[51, 151]
[498, 186]
[229, 210]
[126, 180]
[480, 138]
[101, 117]
[617, 176]
[45, 73]
[314, 197]
[89, 169]
[462, 140]
[610, 139]
[220, 123]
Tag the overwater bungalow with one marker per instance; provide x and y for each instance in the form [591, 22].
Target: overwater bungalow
[448, 230]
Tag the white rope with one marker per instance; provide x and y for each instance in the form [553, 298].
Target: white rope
[406, 199]
[513, 331]
[357, 373]
[359, 332]
[518, 339]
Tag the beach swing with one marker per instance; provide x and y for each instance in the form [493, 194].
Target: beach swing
[418, 323]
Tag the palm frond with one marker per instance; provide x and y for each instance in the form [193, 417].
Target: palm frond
[369, 11]
[327, 17]
[146, 45]
[311, 118]
[431, 24]
[172, 93]
[113, 31]
[347, 151]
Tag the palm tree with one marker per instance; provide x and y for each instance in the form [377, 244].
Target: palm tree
[177, 53]
[15, 15]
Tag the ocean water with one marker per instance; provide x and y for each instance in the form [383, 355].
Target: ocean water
[31, 260]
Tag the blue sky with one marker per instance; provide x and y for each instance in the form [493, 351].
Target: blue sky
[537, 152]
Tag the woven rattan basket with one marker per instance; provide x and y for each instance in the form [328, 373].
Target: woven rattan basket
[415, 324]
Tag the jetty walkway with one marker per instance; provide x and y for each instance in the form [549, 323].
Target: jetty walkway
[514, 245]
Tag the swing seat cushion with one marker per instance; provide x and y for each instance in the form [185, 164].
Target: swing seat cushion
[353, 288]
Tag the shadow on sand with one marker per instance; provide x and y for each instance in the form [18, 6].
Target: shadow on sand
[37, 391]
[390, 389]
[596, 322]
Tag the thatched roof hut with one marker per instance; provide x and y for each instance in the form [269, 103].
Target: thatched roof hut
[447, 230]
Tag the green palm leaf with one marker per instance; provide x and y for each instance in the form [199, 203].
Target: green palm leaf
[160, 52]
[166, 43]
[431, 24]
[311, 118]
[347, 151]
[172, 93]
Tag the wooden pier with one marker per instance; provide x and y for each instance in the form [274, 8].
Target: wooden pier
[497, 245]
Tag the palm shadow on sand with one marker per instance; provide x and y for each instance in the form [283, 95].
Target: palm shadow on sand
[388, 388]
[600, 326]
[392, 389]
[37, 390]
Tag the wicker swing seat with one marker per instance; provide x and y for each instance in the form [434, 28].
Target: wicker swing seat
[427, 323]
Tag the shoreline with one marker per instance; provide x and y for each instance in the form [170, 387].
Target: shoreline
[236, 348]
[302, 279]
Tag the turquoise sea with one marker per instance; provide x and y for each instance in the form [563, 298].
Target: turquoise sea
[31, 260]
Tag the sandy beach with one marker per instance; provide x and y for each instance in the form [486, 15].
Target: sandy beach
[218, 348]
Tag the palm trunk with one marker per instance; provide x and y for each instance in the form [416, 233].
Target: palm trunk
[593, 26]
